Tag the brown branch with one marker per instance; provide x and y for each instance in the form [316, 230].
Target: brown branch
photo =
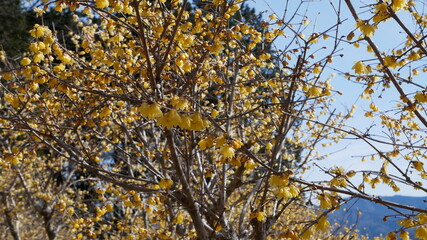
[192, 208]
[171, 41]
[358, 195]
[143, 39]
[8, 213]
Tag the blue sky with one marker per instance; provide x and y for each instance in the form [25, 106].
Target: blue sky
[348, 153]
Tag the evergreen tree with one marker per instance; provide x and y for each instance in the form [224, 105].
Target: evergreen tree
[14, 28]
[18, 18]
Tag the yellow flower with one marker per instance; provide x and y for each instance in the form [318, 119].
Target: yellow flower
[105, 112]
[70, 211]
[7, 76]
[394, 153]
[260, 216]
[217, 2]
[279, 181]
[109, 207]
[100, 212]
[422, 217]
[317, 69]
[391, 236]
[359, 68]
[150, 111]
[315, 91]
[421, 232]
[236, 143]
[179, 218]
[314, 38]
[12, 100]
[38, 57]
[221, 140]
[147, 209]
[102, 3]
[179, 103]
[214, 113]
[419, 166]
[373, 107]
[216, 48]
[265, 56]
[397, 5]
[421, 97]
[325, 202]
[227, 151]
[404, 235]
[170, 119]
[408, 223]
[323, 224]
[33, 47]
[369, 114]
[40, 31]
[283, 193]
[165, 183]
[250, 165]
[206, 143]
[381, 12]
[381, 7]
[235, 162]
[413, 125]
[307, 234]
[136, 198]
[197, 122]
[414, 56]
[185, 122]
[367, 29]
[14, 159]
[305, 22]
[25, 61]
[390, 61]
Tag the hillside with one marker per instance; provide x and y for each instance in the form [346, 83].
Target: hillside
[371, 221]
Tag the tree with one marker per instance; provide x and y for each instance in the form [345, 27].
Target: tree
[12, 39]
[19, 18]
[198, 120]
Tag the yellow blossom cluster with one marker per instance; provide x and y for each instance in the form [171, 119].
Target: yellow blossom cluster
[166, 184]
[397, 5]
[421, 97]
[360, 68]
[226, 147]
[260, 216]
[367, 29]
[327, 201]
[282, 187]
[381, 12]
[173, 118]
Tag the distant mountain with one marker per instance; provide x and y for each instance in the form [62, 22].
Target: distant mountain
[371, 221]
